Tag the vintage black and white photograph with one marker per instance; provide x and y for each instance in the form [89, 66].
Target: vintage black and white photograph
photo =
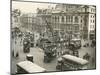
[52, 37]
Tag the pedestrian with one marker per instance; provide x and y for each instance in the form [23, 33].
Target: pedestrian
[21, 41]
[87, 44]
[57, 54]
[86, 56]
[17, 54]
[62, 52]
[62, 65]
[13, 53]
[15, 42]
[93, 61]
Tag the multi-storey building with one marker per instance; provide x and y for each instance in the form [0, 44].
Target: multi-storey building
[27, 20]
[92, 21]
[87, 21]
[84, 15]
[66, 22]
[63, 20]
[15, 22]
[15, 18]
[76, 20]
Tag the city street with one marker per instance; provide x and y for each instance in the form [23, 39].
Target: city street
[56, 37]
[38, 56]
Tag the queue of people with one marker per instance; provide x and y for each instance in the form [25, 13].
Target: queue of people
[91, 43]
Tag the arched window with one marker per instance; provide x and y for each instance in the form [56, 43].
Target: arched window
[76, 19]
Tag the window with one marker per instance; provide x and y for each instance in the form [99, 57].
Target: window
[68, 27]
[91, 16]
[94, 10]
[81, 25]
[81, 21]
[76, 28]
[71, 18]
[93, 21]
[76, 19]
[66, 19]
[58, 18]
[62, 18]
[91, 26]
[55, 19]
[91, 10]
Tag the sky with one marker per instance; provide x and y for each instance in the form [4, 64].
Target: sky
[30, 7]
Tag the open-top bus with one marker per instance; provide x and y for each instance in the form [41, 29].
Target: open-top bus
[69, 62]
[27, 67]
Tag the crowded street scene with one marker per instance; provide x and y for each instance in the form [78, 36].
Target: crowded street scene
[51, 37]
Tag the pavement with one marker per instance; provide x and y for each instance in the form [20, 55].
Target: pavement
[38, 55]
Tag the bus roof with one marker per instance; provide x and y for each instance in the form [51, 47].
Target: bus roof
[75, 39]
[30, 67]
[75, 59]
